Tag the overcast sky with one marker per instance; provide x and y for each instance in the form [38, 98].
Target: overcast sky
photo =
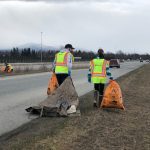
[90, 24]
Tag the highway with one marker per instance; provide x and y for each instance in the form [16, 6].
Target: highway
[22, 91]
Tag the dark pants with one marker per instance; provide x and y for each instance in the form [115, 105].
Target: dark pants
[99, 87]
[98, 96]
[61, 78]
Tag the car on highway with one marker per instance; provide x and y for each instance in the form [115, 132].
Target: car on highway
[121, 60]
[114, 63]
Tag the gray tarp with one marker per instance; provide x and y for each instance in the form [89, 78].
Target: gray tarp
[58, 102]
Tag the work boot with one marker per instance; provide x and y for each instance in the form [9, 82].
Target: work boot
[96, 99]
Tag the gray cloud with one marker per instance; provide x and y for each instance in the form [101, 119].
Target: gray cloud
[112, 26]
[65, 1]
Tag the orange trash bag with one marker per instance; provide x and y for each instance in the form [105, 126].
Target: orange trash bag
[53, 84]
[112, 96]
[9, 70]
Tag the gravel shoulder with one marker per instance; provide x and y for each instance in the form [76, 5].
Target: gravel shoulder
[95, 129]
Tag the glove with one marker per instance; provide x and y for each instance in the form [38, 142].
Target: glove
[108, 74]
[111, 78]
[89, 77]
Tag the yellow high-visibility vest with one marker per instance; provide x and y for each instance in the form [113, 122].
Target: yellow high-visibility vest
[61, 62]
[10, 67]
[98, 70]
[108, 62]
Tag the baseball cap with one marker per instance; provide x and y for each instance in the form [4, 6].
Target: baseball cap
[69, 46]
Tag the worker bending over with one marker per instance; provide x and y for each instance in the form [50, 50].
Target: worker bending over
[8, 67]
[62, 65]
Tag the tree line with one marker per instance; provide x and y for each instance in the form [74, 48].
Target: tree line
[28, 55]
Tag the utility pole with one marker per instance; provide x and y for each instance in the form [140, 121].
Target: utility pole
[41, 46]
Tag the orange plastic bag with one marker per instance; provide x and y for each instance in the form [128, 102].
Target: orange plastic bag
[53, 84]
[112, 96]
[9, 70]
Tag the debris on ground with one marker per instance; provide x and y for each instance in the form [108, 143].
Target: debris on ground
[63, 101]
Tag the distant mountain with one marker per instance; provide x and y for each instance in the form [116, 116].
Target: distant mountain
[38, 47]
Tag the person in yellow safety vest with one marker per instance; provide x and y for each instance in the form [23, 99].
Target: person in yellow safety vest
[99, 69]
[8, 67]
[63, 63]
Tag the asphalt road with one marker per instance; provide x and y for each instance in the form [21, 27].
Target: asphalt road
[20, 92]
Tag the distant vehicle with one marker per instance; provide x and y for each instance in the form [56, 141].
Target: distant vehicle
[141, 60]
[121, 60]
[147, 60]
[114, 63]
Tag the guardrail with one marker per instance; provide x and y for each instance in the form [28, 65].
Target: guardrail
[46, 66]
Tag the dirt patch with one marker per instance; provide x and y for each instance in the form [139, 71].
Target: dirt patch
[96, 129]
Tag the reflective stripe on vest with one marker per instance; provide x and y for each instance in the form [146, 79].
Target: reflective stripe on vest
[61, 62]
[98, 74]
